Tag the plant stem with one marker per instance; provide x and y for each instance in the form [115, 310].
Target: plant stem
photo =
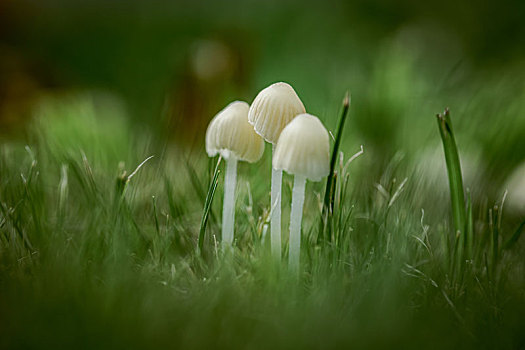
[207, 205]
[228, 209]
[296, 216]
[495, 237]
[469, 230]
[457, 195]
[328, 193]
[515, 237]
[275, 221]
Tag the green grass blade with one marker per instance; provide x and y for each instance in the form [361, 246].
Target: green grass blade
[469, 229]
[194, 179]
[457, 195]
[495, 235]
[155, 216]
[176, 209]
[330, 180]
[515, 237]
[207, 204]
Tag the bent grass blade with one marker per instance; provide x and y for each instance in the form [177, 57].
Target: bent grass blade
[328, 194]
[207, 205]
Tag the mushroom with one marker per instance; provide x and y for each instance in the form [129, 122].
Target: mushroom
[303, 150]
[230, 135]
[273, 108]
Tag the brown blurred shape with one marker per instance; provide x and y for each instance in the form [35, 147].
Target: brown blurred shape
[215, 73]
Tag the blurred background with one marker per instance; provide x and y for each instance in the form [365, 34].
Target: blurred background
[164, 68]
[94, 87]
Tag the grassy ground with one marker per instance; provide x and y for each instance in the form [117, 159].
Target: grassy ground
[91, 257]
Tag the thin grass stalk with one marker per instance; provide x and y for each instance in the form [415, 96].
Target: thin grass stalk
[328, 194]
[515, 237]
[495, 238]
[457, 195]
[207, 205]
[469, 231]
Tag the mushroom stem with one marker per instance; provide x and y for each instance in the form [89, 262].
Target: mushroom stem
[275, 221]
[228, 209]
[296, 216]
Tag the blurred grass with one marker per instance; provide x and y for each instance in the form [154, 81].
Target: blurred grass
[86, 264]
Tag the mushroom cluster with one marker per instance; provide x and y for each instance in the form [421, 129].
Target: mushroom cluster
[300, 147]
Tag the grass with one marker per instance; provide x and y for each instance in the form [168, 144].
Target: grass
[207, 205]
[457, 194]
[328, 192]
[93, 258]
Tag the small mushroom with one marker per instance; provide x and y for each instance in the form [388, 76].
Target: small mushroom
[273, 108]
[230, 135]
[303, 150]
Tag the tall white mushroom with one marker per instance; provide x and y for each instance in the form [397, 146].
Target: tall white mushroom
[273, 108]
[230, 135]
[303, 150]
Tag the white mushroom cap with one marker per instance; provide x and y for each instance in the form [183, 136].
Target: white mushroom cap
[273, 108]
[229, 133]
[304, 148]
